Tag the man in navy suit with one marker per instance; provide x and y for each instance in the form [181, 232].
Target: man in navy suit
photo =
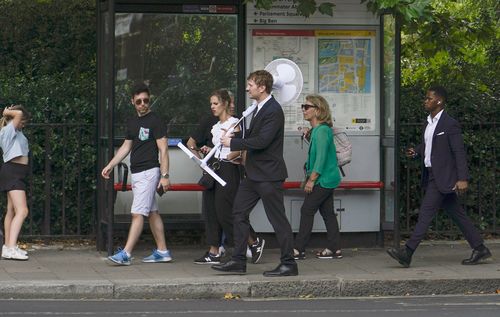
[265, 173]
[445, 176]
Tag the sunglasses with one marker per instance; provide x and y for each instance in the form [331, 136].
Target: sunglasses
[138, 101]
[306, 106]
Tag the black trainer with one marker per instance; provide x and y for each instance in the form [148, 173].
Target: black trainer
[257, 248]
[208, 258]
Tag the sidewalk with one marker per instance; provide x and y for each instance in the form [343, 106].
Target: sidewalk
[85, 273]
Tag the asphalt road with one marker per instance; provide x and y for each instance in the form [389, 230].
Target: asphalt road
[456, 306]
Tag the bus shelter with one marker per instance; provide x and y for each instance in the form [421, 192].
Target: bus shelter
[186, 49]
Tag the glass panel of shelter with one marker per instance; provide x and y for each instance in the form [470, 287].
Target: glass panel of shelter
[182, 57]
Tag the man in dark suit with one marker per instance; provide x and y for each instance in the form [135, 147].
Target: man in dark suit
[445, 176]
[265, 173]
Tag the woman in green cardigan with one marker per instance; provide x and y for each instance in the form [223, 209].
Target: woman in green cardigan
[323, 176]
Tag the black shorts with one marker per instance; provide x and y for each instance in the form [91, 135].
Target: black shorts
[13, 176]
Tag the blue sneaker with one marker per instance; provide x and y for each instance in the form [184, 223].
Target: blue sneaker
[120, 257]
[158, 257]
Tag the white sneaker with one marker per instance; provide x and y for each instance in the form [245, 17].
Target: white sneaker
[13, 254]
[24, 252]
[4, 247]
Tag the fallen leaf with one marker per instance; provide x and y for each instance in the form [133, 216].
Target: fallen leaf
[306, 296]
[231, 296]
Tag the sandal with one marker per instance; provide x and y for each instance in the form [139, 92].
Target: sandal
[299, 255]
[328, 254]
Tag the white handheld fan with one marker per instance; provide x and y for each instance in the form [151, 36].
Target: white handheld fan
[287, 86]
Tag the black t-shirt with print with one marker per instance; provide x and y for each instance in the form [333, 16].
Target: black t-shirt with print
[144, 131]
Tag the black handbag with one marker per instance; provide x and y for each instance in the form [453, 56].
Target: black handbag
[208, 181]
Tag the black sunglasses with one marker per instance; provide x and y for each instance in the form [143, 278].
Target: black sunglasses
[138, 101]
[306, 106]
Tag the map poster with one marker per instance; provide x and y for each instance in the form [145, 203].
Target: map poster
[346, 77]
[297, 46]
[344, 66]
[337, 64]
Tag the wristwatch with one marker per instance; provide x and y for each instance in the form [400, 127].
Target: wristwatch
[165, 175]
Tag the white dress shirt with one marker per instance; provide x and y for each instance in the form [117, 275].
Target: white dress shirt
[259, 106]
[429, 133]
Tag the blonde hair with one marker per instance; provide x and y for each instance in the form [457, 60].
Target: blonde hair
[5, 119]
[322, 109]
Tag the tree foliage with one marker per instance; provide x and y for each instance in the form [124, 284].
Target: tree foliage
[304, 7]
[409, 10]
[456, 47]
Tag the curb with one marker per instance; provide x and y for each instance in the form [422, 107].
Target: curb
[282, 288]
[89, 289]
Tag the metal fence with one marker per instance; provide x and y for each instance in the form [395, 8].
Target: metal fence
[62, 187]
[481, 201]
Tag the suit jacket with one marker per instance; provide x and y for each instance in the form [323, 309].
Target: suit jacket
[448, 157]
[264, 144]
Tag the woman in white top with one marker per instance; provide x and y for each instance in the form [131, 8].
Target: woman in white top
[221, 218]
[13, 177]
[227, 165]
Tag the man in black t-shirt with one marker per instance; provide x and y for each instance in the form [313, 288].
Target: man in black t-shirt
[146, 138]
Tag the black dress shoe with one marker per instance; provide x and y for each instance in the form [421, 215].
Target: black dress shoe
[400, 255]
[477, 256]
[283, 270]
[231, 267]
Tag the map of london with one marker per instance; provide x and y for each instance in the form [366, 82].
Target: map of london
[344, 66]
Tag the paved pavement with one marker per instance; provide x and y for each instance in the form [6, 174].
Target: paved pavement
[58, 272]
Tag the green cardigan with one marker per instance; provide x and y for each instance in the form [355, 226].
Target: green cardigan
[322, 157]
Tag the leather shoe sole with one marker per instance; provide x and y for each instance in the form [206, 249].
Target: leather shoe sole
[396, 256]
[477, 257]
[230, 267]
[282, 270]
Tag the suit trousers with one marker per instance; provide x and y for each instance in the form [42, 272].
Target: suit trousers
[247, 197]
[321, 198]
[213, 231]
[218, 207]
[432, 201]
